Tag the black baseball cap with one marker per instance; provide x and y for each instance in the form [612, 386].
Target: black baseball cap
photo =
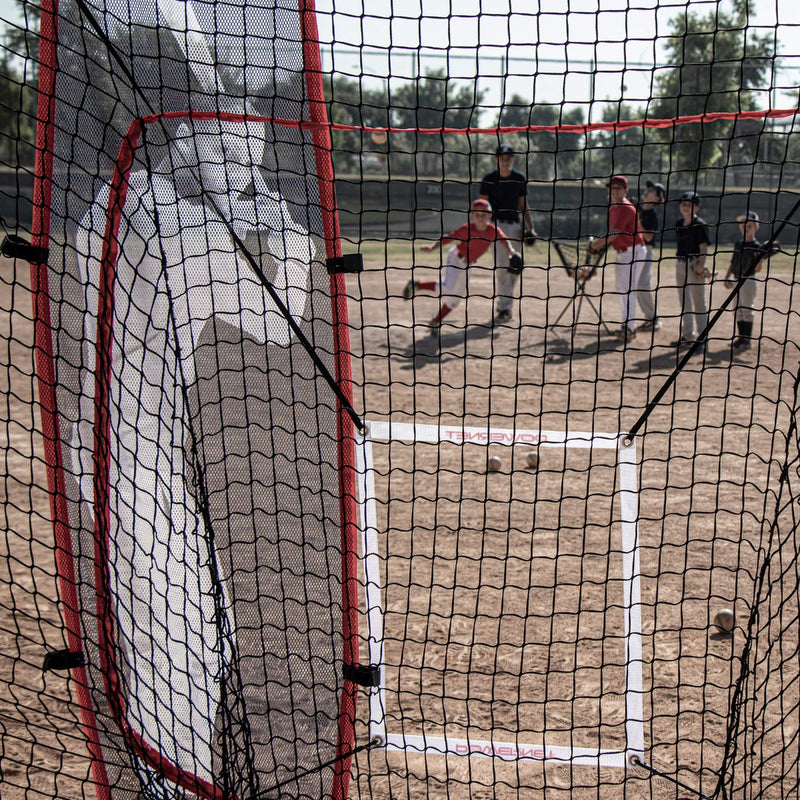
[659, 187]
[692, 197]
[505, 150]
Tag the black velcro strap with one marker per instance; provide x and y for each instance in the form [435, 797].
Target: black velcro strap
[16, 247]
[62, 659]
[363, 674]
[350, 263]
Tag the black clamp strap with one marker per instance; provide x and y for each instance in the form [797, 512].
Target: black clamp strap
[350, 263]
[62, 659]
[16, 247]
[362, 674]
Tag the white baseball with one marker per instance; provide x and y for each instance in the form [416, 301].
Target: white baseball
[494, 464]
[724, 620]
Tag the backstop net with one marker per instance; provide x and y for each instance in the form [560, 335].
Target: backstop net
[323, 479]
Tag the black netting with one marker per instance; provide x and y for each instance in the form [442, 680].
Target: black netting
[322, 479]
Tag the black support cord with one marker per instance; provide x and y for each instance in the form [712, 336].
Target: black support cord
[257, 271]
[701, 339]
[267, 794]
[638, 762]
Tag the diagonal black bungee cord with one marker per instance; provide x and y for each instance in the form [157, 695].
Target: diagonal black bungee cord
[256, 268]
[267, 793]
[766, 250]
[638, 762]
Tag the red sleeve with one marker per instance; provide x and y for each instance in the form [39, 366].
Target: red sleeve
[460, 234]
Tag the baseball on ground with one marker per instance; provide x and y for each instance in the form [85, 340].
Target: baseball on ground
[494, 464]
[724, 620]
[533, 459]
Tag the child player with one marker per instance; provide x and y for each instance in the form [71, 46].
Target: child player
[472, 240]
[745, 263]
[692, 241]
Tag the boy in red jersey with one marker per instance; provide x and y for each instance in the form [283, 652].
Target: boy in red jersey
[625, 237]
[472, 240]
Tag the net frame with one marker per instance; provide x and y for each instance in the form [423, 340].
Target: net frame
[200, 62]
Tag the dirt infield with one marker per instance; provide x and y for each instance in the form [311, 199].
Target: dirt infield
[502, 597]
[494, 566]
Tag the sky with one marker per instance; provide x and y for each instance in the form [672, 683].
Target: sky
[555, 51]
[9, 12]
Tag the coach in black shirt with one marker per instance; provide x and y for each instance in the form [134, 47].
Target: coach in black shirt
[506, 189]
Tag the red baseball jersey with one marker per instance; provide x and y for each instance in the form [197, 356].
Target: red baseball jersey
[473, 243]
[623, 217]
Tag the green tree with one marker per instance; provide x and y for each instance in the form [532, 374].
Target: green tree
[351, 103]
[720, 62]
[619, 151]
[17, 116]
[23, 40]
[18, 77]
[549, 155]
[640, 153]
[432, 102]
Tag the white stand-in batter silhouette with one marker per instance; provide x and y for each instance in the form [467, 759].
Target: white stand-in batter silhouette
[177, 268]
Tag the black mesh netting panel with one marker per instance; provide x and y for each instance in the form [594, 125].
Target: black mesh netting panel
[401, 400]
[188, 331]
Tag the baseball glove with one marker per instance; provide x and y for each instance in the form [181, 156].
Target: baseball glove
[515, 264]
[706, 275]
